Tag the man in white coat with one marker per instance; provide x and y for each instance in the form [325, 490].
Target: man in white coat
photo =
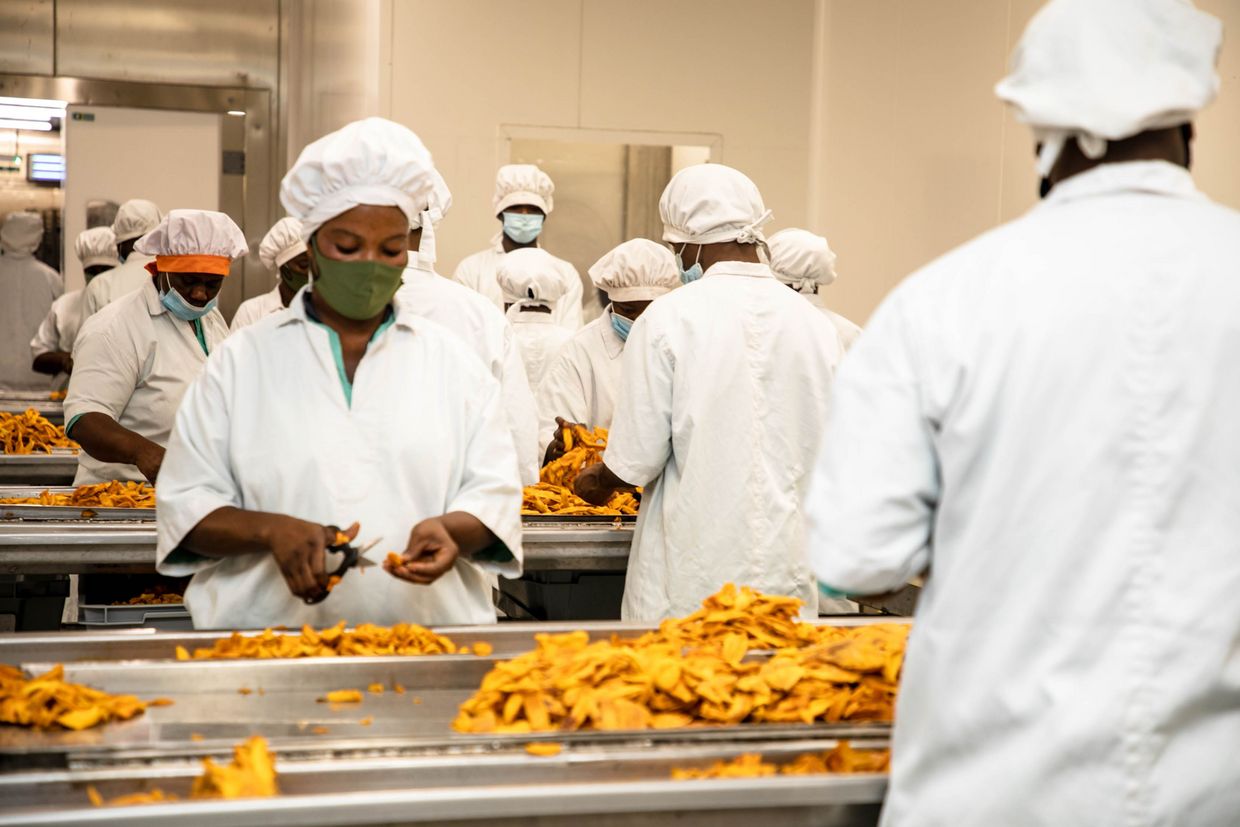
[522, 202]
[581, 385]
[532, 291]
[480, 325]
[28, 287]
[727, 383]
[806, 263]
[134, 219]
[282, 252]
[1044, 420]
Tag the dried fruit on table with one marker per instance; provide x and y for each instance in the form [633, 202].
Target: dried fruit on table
[115, 494]
[48, 701]
[842, 759]
[695, 671]
[342, 696]
[375, 689]
[252, 774]
[336, 641]
[544, 749]
[31, 433]
[553, 494]
[152, 599]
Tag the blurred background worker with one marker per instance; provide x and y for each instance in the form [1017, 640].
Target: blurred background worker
[346, 409]
[1045, 421]
[532, 290]
[522, 202]
[134, 359]
[283, 252]
[725, 394]
[480, 325]
[805, 262]
[581, 384]
[28, 287]
[134, 219]
[52, 345]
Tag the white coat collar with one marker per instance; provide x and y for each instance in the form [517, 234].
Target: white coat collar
[151, 296]
[739, 268]
[613, 345]
[1156, 177]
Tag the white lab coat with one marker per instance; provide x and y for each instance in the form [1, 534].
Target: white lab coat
[110, 285]
[539, 340]
[847, 330]
[267, 428]
[726, 387]
[27, 289]
[1046, 420]
[477, 272]
[251, 310]
[582, 383]
[486, 332]
[132, 362]
[59, 330]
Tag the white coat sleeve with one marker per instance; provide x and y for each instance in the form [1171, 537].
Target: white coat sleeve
[47, 337]
[490, 482]
[520, 410]
[196, 477]
[247, 314]
[92, 296]
[563, 394]
[568, 312]
[870, 505]
[106, 370]
[640, 441]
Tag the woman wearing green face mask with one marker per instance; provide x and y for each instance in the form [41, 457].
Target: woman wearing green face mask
[346, 409]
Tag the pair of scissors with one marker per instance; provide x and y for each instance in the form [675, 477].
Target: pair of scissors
[351, 557]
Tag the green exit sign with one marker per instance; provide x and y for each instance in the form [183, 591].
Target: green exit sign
[10, 163]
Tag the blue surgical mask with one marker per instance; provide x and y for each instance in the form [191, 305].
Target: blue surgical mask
[176, 304]
[693, 273]
[522, 228]
[622, 325]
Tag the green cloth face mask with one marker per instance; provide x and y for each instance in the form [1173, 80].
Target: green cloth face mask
[357, 290]
[293, 280]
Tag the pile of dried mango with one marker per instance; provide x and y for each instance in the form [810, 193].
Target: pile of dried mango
[115, 494]
[842, 759]
[695, 672]
[554, 492]
[152, 599]
[252, 774]
[367, 639]
[30, 433]
[47, 701]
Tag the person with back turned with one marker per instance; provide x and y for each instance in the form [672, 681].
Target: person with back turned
[1044, 422]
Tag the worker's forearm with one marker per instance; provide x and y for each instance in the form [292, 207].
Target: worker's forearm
[107, 440]
[600, 485]
[52, 363]
[229, 531]
[468, 532]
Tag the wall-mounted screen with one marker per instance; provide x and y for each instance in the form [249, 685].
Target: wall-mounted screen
[45, 168]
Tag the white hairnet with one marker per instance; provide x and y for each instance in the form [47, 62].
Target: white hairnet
[437, 205]
[637, 270]
[528, 275]
[517, 184]
[96, 246]
[21, 233]
[372, 161]
[282, 244]
[710, 204]
[802, 259]
[1099, 70]
[194, 233]
[136, 217]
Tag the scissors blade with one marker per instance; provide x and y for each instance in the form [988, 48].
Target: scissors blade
[364, 562]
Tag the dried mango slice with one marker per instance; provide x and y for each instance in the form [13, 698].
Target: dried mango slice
[342, 696]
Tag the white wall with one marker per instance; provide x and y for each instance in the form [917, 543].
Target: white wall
[739, 69]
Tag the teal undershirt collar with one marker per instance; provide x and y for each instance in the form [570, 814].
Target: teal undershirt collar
[389, 318]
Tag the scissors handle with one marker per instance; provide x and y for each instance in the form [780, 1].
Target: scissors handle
[349, 559]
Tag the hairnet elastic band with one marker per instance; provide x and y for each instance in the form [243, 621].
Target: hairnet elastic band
[211, 265]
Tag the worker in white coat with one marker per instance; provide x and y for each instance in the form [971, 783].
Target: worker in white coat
[52, 345]
[532, 290]
[134, 219]
[522, 202]
[345, 410]
[727, 382]
[581, 385]
[283, 252]
[28, 287]
[806, 263]
[134, 359]
[1044, 420]
[479, 324]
